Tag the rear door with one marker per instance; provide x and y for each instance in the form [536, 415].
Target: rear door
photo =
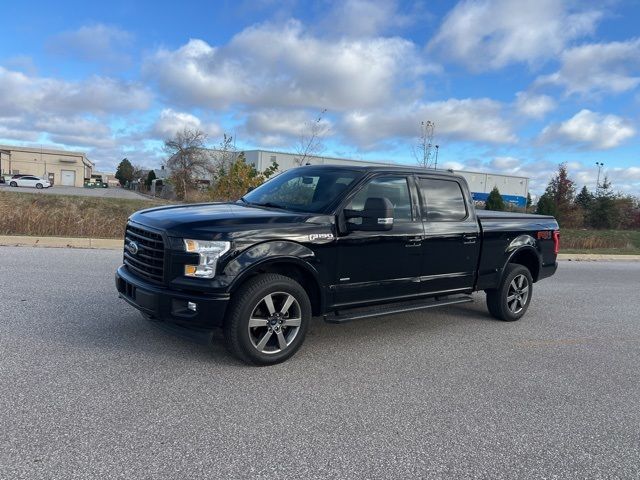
[385, 264]
[451, 246]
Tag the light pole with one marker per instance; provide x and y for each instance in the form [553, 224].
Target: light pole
[437, 149]
[599, 165]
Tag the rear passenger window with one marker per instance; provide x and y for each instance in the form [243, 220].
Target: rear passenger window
[444, 200]
[395, 189]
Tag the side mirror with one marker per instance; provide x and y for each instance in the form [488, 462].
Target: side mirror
[377, 216]
[249, 190]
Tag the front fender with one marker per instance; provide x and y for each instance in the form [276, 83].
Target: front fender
[270, 252]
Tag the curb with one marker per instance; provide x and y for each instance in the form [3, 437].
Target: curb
[597, 257]
[61, 242]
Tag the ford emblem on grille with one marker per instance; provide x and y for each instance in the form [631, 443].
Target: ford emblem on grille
[132, 247]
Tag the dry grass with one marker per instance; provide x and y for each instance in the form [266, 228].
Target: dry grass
[75, 216]
[66, 215]
[600, 241]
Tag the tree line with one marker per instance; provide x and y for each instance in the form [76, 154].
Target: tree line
[600, 209]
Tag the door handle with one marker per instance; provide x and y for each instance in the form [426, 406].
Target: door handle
[469, 239]
[414, 242]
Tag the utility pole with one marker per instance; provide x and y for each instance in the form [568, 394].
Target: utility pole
[437, 150]
[599, 165]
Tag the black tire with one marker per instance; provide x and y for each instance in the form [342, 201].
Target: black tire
[510, 301]
[38, 186]
[13, 184]
[250, 301]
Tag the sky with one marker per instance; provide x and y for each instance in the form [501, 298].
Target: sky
[512, 86]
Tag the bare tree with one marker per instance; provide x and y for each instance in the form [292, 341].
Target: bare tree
[187, 159]
[310, 141]
[423, 152]
[223, 156]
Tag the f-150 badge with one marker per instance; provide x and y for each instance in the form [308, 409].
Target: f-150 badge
[321, 236]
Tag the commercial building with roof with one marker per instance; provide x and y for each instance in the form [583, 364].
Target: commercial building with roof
[60, 167]
[514, 189]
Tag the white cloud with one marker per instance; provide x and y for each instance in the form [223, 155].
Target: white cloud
[282, 128]
[590, 130]
[170, 121]
[505, 163]
[490, 34]
[365, 18]
[282, 66]
[477, 120]
[93, 43]
[20, 94]
[534, 106]
[599, 67]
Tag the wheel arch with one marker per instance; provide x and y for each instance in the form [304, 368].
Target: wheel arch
[528, 257]
[291, 267]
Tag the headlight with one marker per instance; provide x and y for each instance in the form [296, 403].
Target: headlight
[209, 252]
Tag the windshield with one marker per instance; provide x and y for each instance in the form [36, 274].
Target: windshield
[304, 189]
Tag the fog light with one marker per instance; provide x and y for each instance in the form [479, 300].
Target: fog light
[192, 306]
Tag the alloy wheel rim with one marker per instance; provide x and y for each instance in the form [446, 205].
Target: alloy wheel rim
[518, 294]
[275, 322]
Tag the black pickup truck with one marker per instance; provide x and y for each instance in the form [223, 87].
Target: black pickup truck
[342, 243]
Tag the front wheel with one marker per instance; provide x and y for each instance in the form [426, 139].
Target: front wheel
[511, 299]
[267, 320]
[13, 184]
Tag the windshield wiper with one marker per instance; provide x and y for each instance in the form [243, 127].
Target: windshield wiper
[270, 205]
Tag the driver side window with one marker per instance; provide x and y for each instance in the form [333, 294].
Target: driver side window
[393, 188]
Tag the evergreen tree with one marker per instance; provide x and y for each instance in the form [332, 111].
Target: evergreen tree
[494, 200]
[604, 212]
[561, 191]
[151, 176]
[528, 200]
[124, 172]
[546, 206]
[584, 199]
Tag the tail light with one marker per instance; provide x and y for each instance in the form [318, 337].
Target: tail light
[556, 241]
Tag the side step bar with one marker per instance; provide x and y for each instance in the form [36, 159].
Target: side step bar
[380, 310]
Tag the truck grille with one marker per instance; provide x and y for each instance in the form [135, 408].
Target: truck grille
[148, 261]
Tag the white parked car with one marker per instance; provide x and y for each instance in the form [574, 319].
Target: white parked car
[29, 181]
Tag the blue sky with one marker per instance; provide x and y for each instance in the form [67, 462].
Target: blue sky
[512, 86]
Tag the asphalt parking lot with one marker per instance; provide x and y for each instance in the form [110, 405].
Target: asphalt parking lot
[111, 192]
[91, 390]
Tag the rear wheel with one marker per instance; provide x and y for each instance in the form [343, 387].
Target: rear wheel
[38, 186]
[13, 184]
[511, 299]
[267, 320]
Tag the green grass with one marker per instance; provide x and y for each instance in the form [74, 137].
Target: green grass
[66, 215]
[614, 242]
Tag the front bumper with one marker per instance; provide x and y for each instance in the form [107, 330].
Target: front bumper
[169, 305]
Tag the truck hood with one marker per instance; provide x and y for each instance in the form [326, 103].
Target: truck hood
[207, 218]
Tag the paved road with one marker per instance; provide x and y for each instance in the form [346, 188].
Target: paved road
[90, 390]
[111, 192]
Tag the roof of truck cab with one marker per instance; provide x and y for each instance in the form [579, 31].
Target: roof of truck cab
[385, 168]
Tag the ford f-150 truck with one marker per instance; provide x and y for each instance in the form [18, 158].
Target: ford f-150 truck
[336, 242]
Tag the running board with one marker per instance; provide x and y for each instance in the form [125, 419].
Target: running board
[380, 310]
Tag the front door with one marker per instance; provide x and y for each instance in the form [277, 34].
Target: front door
[380, 265]
[451, 246]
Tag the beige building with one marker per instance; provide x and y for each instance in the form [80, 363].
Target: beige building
[60, 167]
